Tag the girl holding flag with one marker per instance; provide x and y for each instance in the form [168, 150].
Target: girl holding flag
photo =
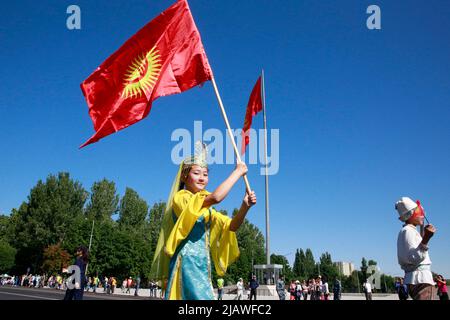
[192, 231]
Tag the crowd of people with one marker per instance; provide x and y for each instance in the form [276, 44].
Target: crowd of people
[319, 289]
[313, 289]
[94, 284]
[35, 281]
[109, 285]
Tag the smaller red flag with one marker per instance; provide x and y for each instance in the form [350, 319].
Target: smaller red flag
[254, 106]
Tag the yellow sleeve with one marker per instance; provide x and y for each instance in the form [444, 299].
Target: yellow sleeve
[188, 208]
[224, 245]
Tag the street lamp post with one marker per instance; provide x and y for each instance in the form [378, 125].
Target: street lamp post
[90, 243]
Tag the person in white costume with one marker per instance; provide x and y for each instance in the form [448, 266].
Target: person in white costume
[412, 250]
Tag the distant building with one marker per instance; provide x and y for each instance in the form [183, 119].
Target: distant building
[345, 268]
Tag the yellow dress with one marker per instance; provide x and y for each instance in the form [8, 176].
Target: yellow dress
[198, 234]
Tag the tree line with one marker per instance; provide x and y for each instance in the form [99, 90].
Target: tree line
[42, 234]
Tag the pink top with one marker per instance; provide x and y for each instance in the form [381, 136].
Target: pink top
[442, 287]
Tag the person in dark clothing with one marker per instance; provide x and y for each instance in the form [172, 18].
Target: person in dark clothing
[337, 289]
[138, 285]
[281, 288]
[402, 289]
[253, 285]
[78, 289]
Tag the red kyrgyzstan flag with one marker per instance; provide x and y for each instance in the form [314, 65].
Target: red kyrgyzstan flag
[254, 106]
[165, 57]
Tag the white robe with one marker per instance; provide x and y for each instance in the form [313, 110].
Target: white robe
[413, 257]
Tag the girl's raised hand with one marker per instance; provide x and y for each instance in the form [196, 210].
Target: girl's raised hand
[250, 199]
[241, 167]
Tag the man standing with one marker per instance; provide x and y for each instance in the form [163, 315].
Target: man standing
[76, 285]
[367, 288]
[129, 283]
[337, 289]
[138, 284]
[109, 286]
[253, 285]
[219, 288]
[280, 288]
[105, 283]
[240, 289]
[96, 282]
[326, 288]
[402, 289]
[113, 284]
[412, 250]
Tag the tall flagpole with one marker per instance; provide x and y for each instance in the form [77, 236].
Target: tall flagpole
[263, 94]
[230, 134]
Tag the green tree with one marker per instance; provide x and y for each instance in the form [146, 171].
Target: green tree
[143, 257]
[7, 256]
[156, 216]
[352, 283]
[251, 247]
[364, 267]
[130, 254]
[4, 227]
[280, 259]
[103, 256]
[7, 252]
[372, 263]
[46, 218]
[327, 268]
[387, 284]
[297, 267]
[133, 210]
[123, 248]
[103, 202]
[78, 234]
[302, 273]
[310, 265]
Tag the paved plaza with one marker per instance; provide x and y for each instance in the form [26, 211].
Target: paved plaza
[20, 293]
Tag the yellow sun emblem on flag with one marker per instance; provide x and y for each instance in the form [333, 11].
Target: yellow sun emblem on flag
[142, 74]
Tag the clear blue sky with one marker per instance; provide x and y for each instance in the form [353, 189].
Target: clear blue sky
[363, 115]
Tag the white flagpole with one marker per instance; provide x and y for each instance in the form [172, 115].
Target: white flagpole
[263, 95]
[230, 134]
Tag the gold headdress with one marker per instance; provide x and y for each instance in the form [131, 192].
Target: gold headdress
[199, 158]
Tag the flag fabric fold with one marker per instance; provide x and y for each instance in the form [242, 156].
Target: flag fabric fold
[165, 57]
[253, 107]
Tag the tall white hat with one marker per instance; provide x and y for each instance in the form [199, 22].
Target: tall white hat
[405, 208]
